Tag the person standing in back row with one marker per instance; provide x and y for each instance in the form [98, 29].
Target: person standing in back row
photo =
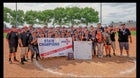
[12, 39]
[124, 34]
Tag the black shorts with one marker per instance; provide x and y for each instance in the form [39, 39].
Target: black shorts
[107, 43]
[13, 49]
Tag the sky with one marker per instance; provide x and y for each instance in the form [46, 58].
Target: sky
[115, 12]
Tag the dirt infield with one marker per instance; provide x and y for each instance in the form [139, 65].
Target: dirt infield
[59, 66]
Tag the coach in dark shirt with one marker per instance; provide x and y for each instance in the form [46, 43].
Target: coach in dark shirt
[23, 42]
[124, 34]
[12, 38]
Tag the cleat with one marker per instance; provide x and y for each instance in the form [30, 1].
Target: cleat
[10, 62]
[114, 54]
[15, 60]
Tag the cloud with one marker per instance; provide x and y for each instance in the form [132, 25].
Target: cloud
[122, 5]
[118, 12]
[110, 11]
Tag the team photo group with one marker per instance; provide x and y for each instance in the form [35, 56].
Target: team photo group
[103, 40]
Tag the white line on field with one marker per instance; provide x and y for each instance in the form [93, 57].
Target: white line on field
[58, 73]
[73, 75]
[130, 69]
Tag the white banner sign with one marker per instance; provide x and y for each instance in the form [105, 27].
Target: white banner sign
[83, 50]
[50, 47]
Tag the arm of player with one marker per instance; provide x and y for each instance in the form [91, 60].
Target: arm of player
[19, 40]
[104, 39]
[20, 43]
[8, 37]
[33, 41]
[130, 38]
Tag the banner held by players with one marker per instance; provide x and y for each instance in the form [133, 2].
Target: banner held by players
[51, 47]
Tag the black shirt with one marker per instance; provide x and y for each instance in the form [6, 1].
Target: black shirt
[12, 39]
[112, 35]
[24, 36]
[123, 35]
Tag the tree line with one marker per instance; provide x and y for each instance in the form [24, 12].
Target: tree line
[58, 16]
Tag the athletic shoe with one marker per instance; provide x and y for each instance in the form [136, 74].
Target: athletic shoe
[94, 55]
[15, 60]
[114, 54]
[101, 56]
[22, 63]
[25, 60]
[109, 55]
[98, 56]
[10, 61]
[37, 59]
[106, 56]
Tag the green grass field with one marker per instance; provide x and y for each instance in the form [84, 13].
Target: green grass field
[4, 35]
[132, 32]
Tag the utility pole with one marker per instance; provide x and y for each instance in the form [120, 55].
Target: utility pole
[16, 14]
[101, 12]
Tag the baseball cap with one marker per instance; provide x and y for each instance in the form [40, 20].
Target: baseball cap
[34, 32]
[122, 24]
[13, 27]
[110, 25]
[45, 26]
[99, 24]
[31, 26]
[25, 27]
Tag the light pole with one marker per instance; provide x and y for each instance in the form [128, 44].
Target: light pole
[16, 14]
[101, 12]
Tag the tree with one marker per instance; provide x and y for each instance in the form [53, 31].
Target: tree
[10, 16]
[59, 15]
[20, 17]
[45, 16]
[72, 14]
[89, 15]
[31, 16]
[7, 13]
